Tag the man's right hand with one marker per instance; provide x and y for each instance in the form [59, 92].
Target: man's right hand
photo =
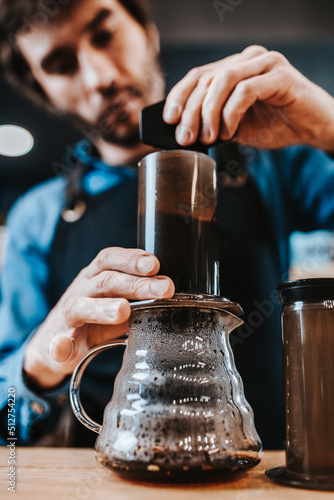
[256, 98]
[94, 309]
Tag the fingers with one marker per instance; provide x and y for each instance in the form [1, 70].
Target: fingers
[102, 300]
[62, 348]
[114, 284]
[87, 320]
[197, 102]
[81, 310]
[220, 90]
[245, 95]
[68, 350]
[100, 293]
[187, 130]
[130, 261]
[179, 95]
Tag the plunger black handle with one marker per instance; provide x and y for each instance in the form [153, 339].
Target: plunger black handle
[155, 132]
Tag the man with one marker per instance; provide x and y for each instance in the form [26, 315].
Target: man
[71, 266]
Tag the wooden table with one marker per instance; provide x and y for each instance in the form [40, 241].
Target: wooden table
[74, 474]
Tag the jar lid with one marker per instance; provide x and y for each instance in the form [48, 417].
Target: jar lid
[313, 289]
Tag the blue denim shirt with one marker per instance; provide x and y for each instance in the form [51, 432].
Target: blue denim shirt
[296, 186]
[23, 299]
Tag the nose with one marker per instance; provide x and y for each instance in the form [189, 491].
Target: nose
[98, 72]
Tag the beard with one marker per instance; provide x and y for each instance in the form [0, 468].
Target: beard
[121, 127]
[122, 131]
[119, 123]
[130, 140]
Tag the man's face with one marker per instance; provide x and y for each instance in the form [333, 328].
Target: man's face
[98, 65]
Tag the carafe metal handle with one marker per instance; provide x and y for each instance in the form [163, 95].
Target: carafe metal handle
[77, 407]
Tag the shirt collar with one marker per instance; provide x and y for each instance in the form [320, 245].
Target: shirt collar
[85, 152]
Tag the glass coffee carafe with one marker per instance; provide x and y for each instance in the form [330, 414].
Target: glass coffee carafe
[178, 411]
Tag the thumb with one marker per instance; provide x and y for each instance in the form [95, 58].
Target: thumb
[61, 348]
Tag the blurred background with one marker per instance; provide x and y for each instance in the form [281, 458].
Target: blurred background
[193, 32]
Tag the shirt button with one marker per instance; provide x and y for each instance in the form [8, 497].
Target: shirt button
[37, 407]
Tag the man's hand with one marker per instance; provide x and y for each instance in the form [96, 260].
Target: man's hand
[257, 98]
[93, 310]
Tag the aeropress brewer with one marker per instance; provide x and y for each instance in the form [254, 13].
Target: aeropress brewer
[178, 411]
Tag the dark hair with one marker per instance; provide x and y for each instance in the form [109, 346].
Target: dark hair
[18, 16]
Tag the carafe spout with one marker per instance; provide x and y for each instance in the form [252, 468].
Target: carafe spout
[231, 322]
